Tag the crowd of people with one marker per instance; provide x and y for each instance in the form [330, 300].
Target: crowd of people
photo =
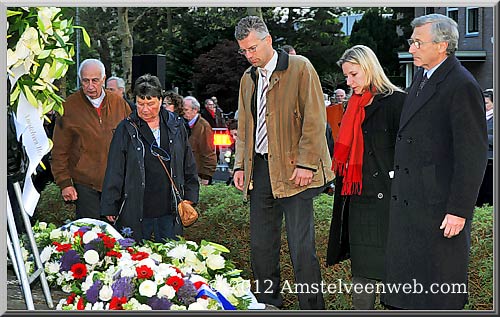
[408, 166]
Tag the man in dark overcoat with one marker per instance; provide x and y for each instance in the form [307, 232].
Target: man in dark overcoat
[440, 159]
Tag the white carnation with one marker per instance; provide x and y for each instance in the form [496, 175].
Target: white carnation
[148, 288]
[52, 267]
[166, 291]
[91, 257]
[89, 236]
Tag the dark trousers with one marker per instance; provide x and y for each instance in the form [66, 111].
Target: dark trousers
[485, 195]
[161, 228]
[266, 214]
[364, 298]
[88, 202]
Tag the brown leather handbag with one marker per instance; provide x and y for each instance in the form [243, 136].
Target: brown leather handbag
[186, 211]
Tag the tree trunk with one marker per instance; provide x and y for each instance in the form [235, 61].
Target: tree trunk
[169, 22]
[127, 47]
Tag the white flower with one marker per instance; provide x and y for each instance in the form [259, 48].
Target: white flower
[148, 288]
[177, 307]
[42, 225]
[55, 234]
[144, 307]
[66, 288]
[52, 267]
[106, 293]
[156, 257]
[91, 257]
[166, 291]
[46, 253]
[215, 261]
[147, 262]
[207, 250]
[179, 252]
[45, 18]
[128, 272]
[197, 265]
[145, 249]
[89, 236]
[25, 254]
[221, 285]
[88, 306]
[200, 304]
[98, 306]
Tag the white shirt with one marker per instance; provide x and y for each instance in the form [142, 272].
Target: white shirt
[97, 102]
[269, 68]
[489, 114]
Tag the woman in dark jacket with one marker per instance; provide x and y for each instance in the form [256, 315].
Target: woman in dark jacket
[137, 192]
[363, 161]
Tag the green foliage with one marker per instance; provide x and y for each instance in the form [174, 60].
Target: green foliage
[51, 207]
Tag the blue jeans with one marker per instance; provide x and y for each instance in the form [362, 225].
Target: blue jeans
[164, 227]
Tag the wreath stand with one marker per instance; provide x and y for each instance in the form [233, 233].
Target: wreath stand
[15, 254]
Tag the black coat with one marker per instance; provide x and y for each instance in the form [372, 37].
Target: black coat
[124, 181]
[439, 164]
[359, 224]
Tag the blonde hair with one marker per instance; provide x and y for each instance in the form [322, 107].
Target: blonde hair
[375, 77]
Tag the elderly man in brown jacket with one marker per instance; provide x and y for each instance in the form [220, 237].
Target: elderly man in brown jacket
[82, 137]
[282, 161]
[201, 140]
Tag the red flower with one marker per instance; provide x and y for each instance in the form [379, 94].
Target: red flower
[178, 271]
[175, 281]
[144, 271]
[80, 305]
[117, 302]
[71, 298]
[114, 253]
[78, 233]
[198, 284]
[63, 247]
[109, 242]
[79, 270]
[140, 256]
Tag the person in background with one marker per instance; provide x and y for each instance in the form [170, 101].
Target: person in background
[173, 102]
[82, 137]
[340, 96]
[213, 114]
[486, 191]
[280, 160]
[201, 139]
[137, 192]
[289, 49]
[117, 86]
[439, 163]
[335, 111]
[363, 168]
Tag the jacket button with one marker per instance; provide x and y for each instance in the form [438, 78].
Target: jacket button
[380, 195]
[407, 171]
[138, 149]
[375, 174]
[365, 132]
[405, 202]
[399, 137]
[394, 197]
[396, 167]
[370, 152]
[409, 140]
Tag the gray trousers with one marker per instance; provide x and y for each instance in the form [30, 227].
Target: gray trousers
[364, 300]
[266, 215]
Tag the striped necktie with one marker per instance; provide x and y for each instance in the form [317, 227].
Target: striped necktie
[422, 83]
[261, 133]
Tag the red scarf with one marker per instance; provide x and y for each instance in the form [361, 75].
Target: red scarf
[348, 150]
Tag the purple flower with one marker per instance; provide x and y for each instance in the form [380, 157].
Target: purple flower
[159, 303]
[68, 259]
[84, 229]
[127, 242]
[127, 231]
[93, 292]
[187, 293]
[123, 287]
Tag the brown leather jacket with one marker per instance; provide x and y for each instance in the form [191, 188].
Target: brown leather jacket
[202, 144]
[82, 139]
[296, 123]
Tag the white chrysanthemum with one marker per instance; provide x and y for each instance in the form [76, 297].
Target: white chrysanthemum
[91, 257]
[179, 252]
[148, 288]
[106, 293]
[128, 272]
[221, 284]
[215, 261]
[89, 236]
[200, 304]
[52, 267]
[166, 291]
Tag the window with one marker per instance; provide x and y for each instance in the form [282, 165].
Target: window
[429, 10]
[452, 13]
[472, 18]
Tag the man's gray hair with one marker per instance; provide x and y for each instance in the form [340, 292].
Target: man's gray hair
[89, 62]
[194, 103]
[443, 29]
[249, 24]
[120, 83]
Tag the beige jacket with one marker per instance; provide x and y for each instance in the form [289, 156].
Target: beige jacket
[296, 124]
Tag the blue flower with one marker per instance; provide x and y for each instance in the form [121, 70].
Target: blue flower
[123, 287]
[84, 229]
[127, 231]
[93, 292]
[159, 303]
[127, 242]
[68, 259]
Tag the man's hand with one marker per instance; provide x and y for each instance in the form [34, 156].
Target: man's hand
[239, 179]
[111, 219]
[69, 194]
[452, 225]
[301, 176]
[203, 181]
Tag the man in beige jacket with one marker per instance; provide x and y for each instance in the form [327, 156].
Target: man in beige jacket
[282, 161]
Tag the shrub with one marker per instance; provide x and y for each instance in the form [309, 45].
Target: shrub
[52, 208]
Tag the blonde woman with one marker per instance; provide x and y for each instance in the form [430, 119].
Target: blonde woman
[363, 162]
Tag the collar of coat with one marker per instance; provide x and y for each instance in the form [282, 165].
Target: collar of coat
[172, 120]
[282, 64]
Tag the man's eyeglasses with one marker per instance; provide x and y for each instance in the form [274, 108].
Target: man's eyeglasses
[159, 152]
[251, 49]
[417, 43]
